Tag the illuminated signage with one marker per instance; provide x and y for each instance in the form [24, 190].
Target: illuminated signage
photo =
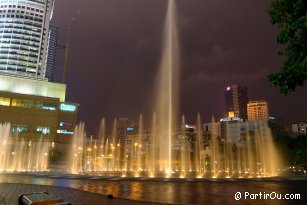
[49, 108]
[62, 124]
[233, 119]
[130, 128]
[68, 107]
[64, 132]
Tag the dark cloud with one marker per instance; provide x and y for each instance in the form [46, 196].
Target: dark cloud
[116, 51]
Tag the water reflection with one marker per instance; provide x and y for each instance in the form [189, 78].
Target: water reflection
[179, 192]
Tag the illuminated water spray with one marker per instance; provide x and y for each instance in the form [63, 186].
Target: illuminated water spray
[18, 154]
[167, 91]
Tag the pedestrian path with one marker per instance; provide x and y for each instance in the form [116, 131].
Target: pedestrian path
[9, 194]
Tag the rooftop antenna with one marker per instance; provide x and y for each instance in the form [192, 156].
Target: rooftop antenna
[68, 36]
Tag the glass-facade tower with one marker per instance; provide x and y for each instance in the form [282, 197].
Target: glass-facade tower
[24, 36]
[51, 52]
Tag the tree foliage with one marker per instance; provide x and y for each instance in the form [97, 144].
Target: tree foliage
[291, 18]
[293, 151]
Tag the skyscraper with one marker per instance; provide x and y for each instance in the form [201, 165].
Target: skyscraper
[52, 46]
[258, 110]
[236, 99]
[24, 35]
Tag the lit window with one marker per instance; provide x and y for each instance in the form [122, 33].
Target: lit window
[43, 130]
[22, 103]
[19, 128]
[5, 101]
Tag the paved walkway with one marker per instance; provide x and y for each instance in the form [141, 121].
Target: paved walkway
[10, 193]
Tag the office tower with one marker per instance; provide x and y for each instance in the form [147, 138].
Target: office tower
[52, 46]
[258, 110]
[236, 99]
[24, 35]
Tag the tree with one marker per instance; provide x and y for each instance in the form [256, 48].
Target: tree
[291, 18]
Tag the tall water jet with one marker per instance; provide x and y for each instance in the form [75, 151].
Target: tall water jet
[102, 132]
[102, 137]
[153, 147]
[113, 144]
[199, 147]
[214, 149]
[138, 148]
[167, 91]
[185, 151]
[77, 151]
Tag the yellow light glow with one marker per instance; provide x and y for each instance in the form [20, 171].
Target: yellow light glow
[231, 114]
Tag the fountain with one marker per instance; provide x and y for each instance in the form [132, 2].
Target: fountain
[167, 91]
[18, 154]
[195, 153]
[169, 150]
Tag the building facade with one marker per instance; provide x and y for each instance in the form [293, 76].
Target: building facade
[24, 36]
[31, 116]
[231, 129]
[35, 107]
[236, 99]
[31, 86]
[258, 110]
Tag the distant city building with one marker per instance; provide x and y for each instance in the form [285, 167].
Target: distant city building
[51, 55]
[236, 131]
[236, 99]
[231, 129]
[299, 128]
[258, 110]
[277, 126]
[125, 127]
[213, 127]
[24, 35]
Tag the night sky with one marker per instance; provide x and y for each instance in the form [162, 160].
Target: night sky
[116, 51]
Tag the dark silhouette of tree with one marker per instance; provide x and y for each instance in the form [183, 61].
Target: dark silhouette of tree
[291, 18]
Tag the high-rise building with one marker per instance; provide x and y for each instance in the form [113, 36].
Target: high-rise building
[24, 35]
[258, 110]
[236, 99]
[52, 46]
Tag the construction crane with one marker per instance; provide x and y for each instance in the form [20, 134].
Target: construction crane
[68, 36]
